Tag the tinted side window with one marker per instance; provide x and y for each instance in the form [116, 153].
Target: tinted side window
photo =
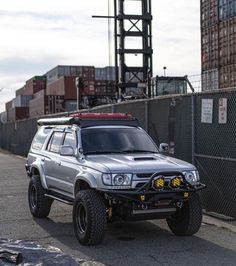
[55, 142]
[70, 140]
[40, 138]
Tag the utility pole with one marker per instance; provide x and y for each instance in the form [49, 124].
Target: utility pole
[79, 87]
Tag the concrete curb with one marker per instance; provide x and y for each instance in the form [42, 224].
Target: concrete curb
[218, 223]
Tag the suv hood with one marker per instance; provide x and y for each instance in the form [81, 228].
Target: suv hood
[137, 163]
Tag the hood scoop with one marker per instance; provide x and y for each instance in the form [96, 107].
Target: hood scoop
[144, 159]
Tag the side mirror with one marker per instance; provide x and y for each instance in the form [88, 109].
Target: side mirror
[67, 151]
[164, 147]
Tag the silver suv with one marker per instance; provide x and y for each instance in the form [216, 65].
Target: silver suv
[108, 167]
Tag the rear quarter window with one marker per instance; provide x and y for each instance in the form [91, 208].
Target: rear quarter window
[40, 138]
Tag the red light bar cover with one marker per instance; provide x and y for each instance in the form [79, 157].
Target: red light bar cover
[102, 115]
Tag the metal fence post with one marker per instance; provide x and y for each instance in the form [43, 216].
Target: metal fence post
[193, 127]
[146, 115]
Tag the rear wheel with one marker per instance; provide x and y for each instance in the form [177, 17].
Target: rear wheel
[39, 205]
[187, 220]
[89, 217]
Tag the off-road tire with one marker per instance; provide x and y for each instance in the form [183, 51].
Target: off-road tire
[39, 205]
[187, 220]
[89, 217]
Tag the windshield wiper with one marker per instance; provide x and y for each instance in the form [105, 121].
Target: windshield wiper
[137, 151]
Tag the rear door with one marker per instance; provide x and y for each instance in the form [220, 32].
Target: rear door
[52, 161]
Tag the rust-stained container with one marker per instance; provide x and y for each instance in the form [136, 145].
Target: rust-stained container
[33, 85]
[227, 76]
[64, 86]
[210, 50]
[18, 113]
[218, 35]
[209, 13]
[89, 87]
[49, 104]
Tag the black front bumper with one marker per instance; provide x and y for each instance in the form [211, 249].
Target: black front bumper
[155, 195]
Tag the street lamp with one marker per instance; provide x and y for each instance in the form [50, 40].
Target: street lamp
[164, 68]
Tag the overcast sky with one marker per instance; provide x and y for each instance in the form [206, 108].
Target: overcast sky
[38, 35]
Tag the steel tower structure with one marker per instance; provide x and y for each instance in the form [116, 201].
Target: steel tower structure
[136, 27]
[139, 28]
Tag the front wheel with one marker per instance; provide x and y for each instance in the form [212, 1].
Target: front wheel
[89, 217]
[187, 220]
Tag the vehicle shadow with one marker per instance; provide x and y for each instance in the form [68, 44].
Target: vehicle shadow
[142, 243]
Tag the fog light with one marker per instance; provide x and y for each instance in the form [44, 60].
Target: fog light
[186, 194]
[159, 183]
[142, 197]
[176, 182]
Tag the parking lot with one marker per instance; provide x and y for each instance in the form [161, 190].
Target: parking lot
[140, 243]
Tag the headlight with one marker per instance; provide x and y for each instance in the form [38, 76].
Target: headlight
[192, 177]
[122, 180]
[117, 180]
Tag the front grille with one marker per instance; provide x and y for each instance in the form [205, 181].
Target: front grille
[144, 175]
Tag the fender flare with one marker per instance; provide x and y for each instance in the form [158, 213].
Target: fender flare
[42, 176]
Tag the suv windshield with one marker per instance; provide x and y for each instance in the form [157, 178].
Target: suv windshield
[116, 140]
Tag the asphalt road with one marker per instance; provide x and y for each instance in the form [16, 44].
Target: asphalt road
[141, 243]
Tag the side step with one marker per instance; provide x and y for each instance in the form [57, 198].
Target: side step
[63, 200]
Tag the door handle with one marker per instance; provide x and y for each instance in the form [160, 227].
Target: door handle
[58, 163]
[43, 160]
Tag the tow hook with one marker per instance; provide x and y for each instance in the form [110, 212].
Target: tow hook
[144, 206]
[179, 204]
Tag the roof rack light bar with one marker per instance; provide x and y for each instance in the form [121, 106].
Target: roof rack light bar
[56, 121]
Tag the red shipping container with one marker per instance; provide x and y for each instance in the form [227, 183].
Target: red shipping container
[46, 105]
[18, 113]
[64, 86]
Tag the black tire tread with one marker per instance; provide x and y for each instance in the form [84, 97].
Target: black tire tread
[43, 207]
[190, 219]
[97, 217]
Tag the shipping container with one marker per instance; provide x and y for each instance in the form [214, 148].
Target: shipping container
[46, 105]
[105, 73]
[218, 39]
[226, 9]
[210, 80]
[86, 72]
[210, 48]
[64, 86]
[209, 13]
[227, 75]
[70, 106]
[18, 113]
[33, 85]
[22, 101]
[8, 105]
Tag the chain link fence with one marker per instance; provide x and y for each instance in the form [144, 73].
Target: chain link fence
[200, 128]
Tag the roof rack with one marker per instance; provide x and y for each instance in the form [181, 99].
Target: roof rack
[92, 119]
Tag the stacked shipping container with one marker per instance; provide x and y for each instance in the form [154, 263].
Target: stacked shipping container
[218, 34]
[56, 90]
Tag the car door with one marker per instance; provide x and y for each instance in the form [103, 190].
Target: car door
[52, 161]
